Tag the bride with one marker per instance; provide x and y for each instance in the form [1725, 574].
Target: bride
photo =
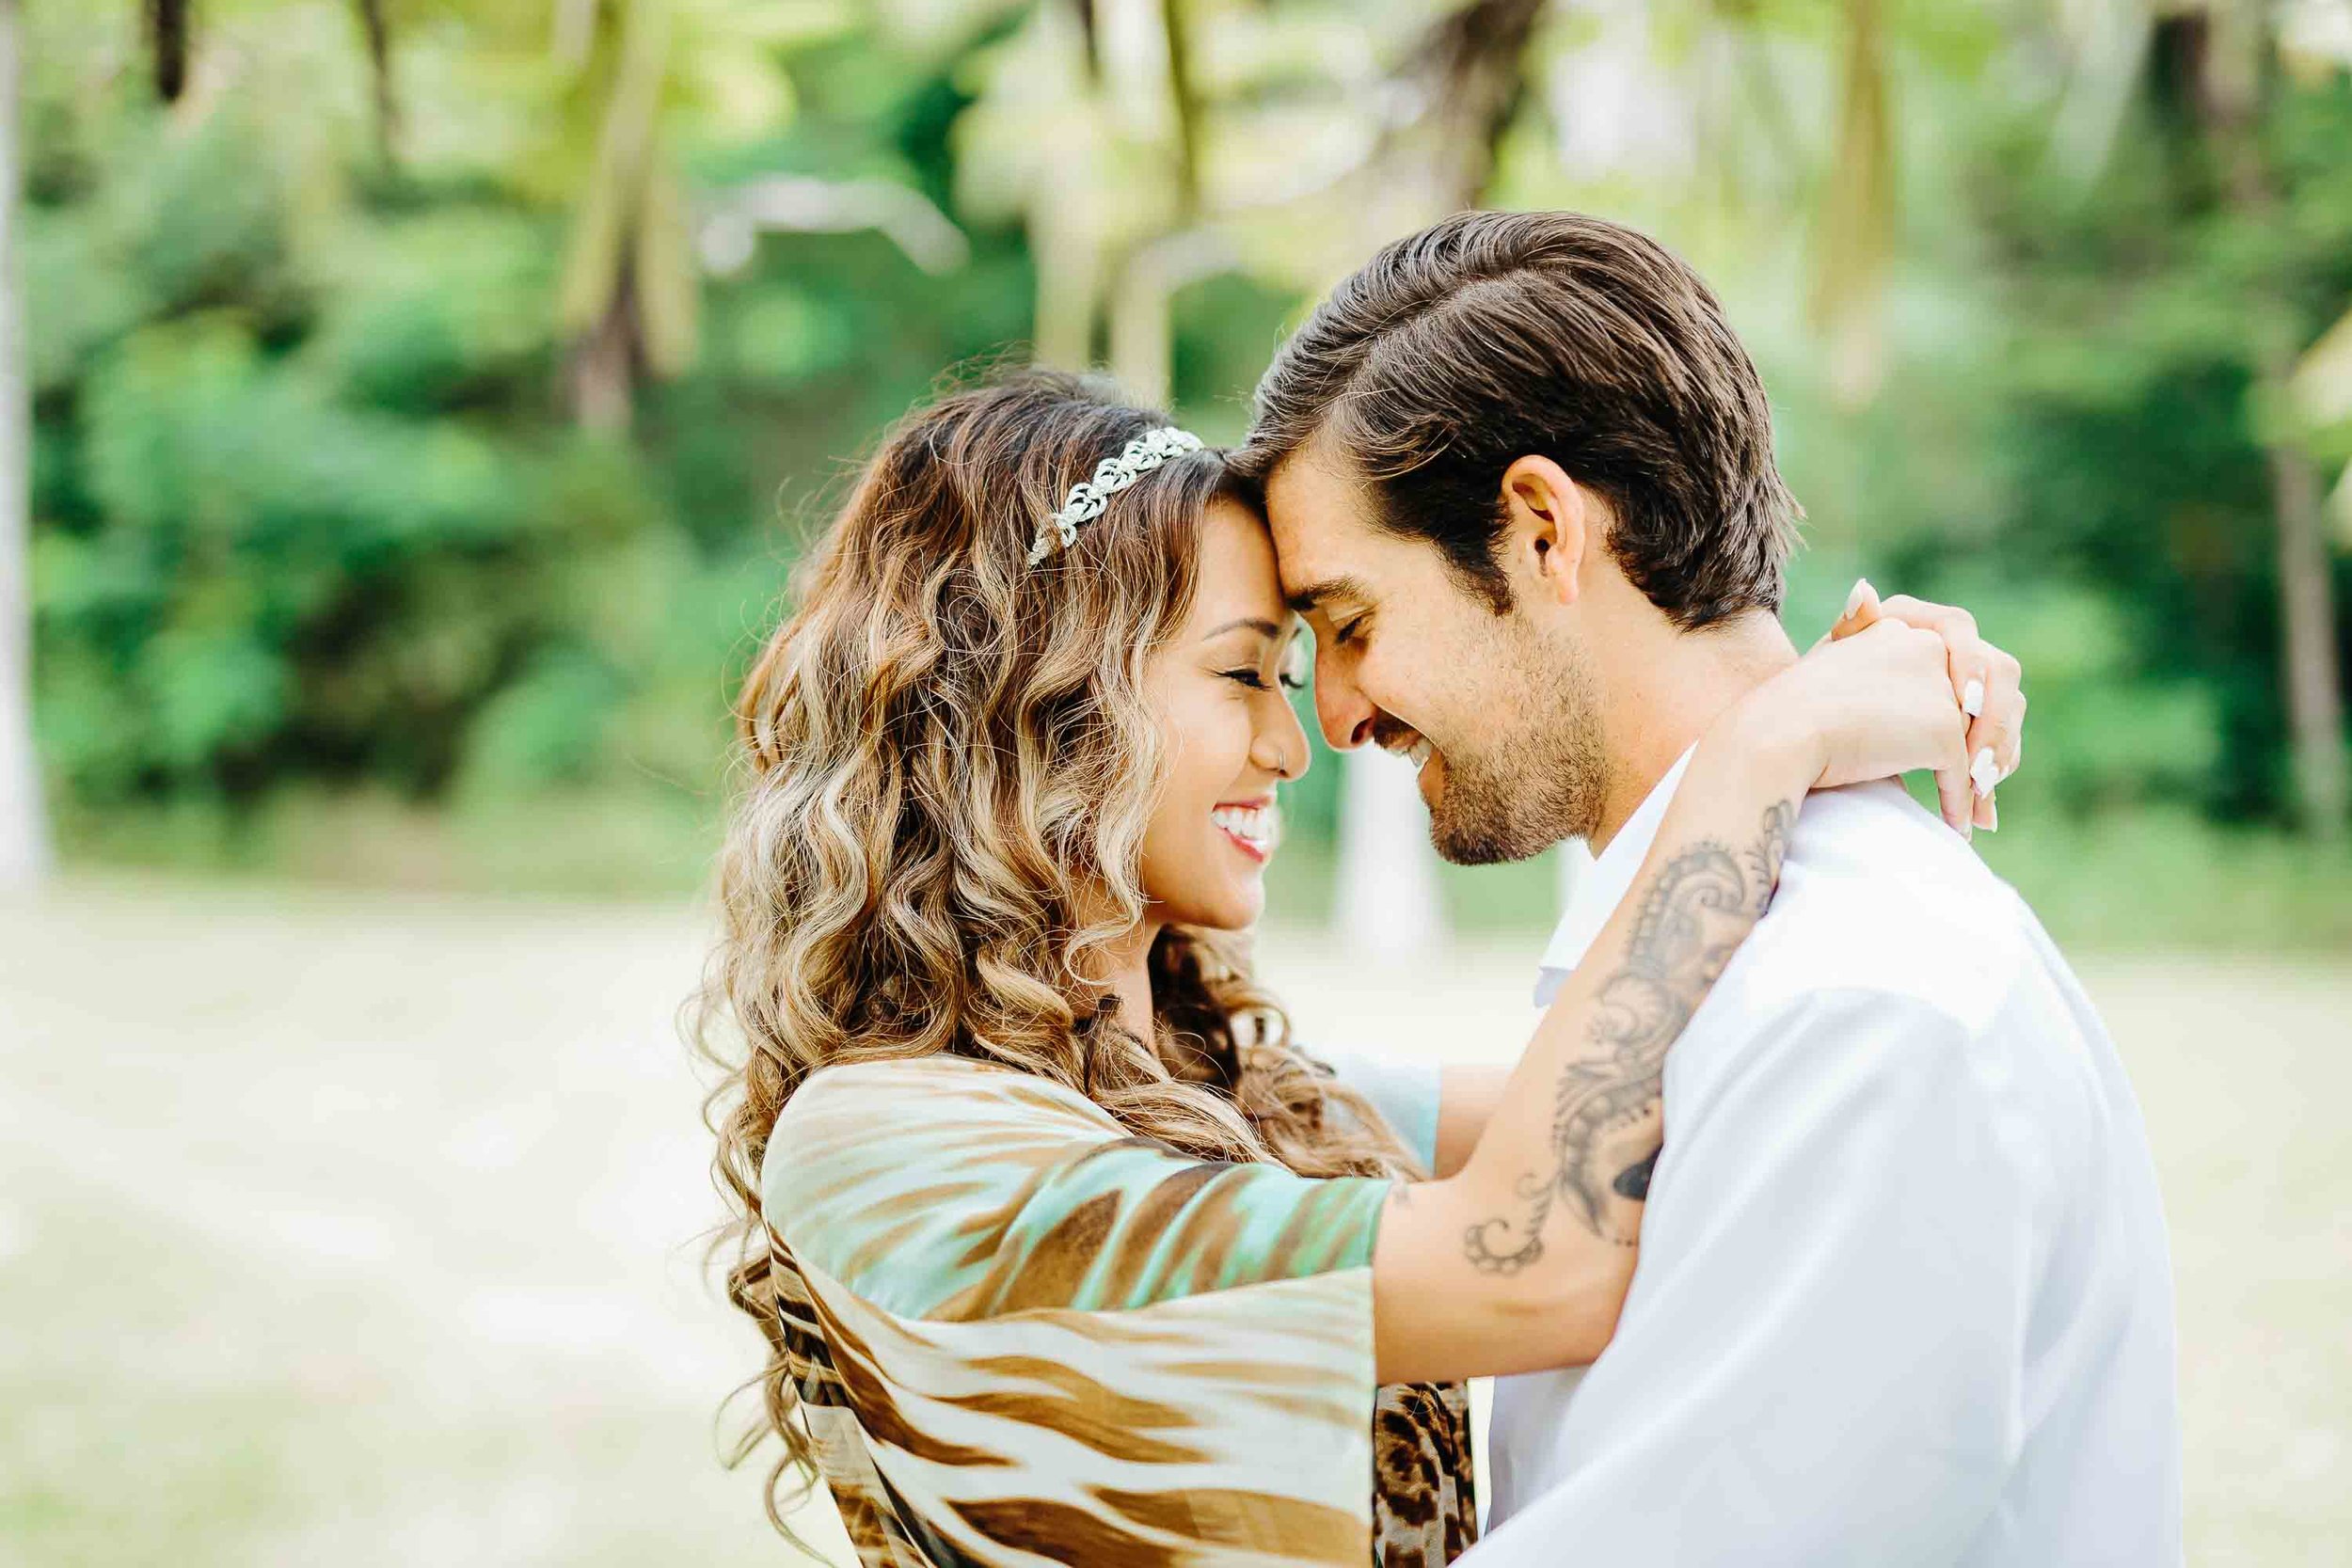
[1062, 1248]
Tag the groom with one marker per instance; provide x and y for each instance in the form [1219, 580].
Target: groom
[1904, 1295]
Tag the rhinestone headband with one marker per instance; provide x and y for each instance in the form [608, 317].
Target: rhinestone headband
[1089, 496]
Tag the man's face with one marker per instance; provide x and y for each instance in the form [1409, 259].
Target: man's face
[1498, 711]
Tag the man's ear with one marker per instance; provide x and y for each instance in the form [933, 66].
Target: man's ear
[1549, 521]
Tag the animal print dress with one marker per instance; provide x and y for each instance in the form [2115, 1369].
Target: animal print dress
[1023, 1335]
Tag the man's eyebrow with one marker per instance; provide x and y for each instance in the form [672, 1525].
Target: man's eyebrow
[1316, 594]
[1247, 622]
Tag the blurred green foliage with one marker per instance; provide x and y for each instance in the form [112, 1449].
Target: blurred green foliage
[309, 509]
[315, 513]
[2089, 468]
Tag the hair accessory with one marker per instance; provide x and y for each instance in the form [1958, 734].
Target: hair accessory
[1089, 496]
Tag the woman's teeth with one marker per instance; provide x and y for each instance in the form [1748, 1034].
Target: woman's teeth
[1252, 825]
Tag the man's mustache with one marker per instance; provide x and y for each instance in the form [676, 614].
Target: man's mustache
[1389, 733]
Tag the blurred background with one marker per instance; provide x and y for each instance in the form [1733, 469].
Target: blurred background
[410, 410]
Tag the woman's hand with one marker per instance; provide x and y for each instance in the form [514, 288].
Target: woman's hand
[1985, 680]
[1884, 694]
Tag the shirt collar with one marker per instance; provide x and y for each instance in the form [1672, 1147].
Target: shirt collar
[1603, 885]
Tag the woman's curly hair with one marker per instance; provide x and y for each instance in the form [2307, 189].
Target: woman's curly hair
[948, 765]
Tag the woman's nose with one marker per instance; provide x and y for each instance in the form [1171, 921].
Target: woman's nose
[1280, 747]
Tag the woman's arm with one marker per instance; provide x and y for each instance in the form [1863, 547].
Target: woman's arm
[1520, 1259]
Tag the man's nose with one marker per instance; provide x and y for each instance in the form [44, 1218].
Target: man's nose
[1344, 713]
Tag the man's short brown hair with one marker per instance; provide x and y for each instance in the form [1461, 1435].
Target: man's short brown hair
[1494, 336]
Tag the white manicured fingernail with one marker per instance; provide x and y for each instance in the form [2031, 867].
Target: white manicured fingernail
[1854, 600]
[1971, 699]
[1984, 772]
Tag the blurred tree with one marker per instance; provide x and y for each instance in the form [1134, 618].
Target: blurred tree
[629, 292]
[631, 90]
[307, 504]
[2227, 50]
[2226, 230]
[312, 501]
[1472, 67]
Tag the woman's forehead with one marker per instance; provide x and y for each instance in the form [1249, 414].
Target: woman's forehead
[1237, 578]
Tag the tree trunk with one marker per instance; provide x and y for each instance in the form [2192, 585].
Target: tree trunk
[23, 841]
[2307, 617]
[167, 38]
[1474, 63]
[1854, 241]
[603, 370]
[379, 33]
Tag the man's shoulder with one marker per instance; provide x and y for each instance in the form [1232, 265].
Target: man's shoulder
[1879, 897]
[1893, 961]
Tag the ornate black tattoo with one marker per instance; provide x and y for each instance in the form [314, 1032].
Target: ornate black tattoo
[1607, 1109]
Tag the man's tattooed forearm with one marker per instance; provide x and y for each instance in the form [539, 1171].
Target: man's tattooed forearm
[1607, 1108]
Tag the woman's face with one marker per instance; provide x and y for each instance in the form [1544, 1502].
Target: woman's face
[1220, 688]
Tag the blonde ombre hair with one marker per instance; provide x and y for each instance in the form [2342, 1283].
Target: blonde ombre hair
[948, 765]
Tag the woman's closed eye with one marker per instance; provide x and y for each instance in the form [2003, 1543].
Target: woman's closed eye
[1256, 681]
[1289, 670]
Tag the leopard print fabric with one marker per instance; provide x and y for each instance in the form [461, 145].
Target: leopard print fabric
[1424, 1500]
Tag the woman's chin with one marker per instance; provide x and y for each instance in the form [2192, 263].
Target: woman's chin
[1235, 908]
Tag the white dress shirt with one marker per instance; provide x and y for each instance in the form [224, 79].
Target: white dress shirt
[1905, 1296]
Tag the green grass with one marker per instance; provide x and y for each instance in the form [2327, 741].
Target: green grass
[2164, 880]
[586, 843]
[354, 1228]
[2144, 880]
[2147, 879]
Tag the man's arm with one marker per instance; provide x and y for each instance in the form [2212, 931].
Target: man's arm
[1819, 1359]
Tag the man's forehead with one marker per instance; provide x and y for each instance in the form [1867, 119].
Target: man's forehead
[1317, 531]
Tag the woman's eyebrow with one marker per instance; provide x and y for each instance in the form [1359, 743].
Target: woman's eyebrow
[1247, 622]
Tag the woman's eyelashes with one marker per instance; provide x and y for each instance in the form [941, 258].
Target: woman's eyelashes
[1288, 669]
[1287, 676]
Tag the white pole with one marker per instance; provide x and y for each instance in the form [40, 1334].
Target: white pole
[24, 839]
[1388, 902]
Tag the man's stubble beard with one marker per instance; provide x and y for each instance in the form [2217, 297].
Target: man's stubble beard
[1518, 794]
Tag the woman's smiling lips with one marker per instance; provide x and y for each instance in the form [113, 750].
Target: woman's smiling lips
[1251, 825]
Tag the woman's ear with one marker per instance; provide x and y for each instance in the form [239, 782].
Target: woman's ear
[1547, 522]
